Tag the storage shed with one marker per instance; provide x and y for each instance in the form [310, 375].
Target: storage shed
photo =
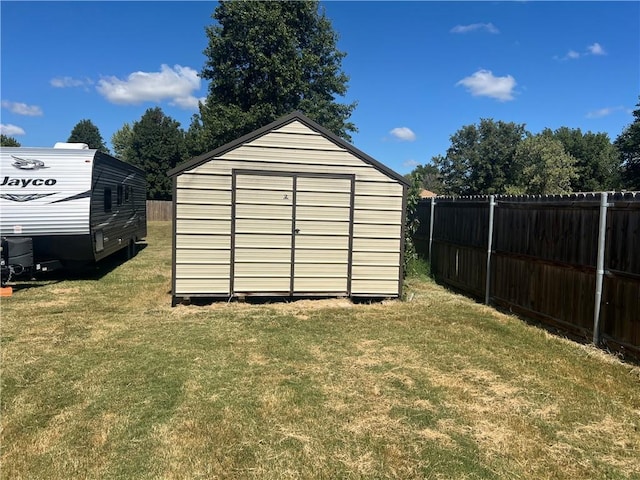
[287, 210]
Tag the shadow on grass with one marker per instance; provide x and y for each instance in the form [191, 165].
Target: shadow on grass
[92, 271]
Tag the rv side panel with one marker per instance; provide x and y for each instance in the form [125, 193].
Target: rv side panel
[118, 206]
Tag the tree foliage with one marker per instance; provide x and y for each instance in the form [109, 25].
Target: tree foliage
[480, 158]
[597, 161]
[267, 59]
[628, 146]
[86, 132]
[429, 178]
[412, 223]
[121, 142]
[156, 145]
[6, 141]
[545, 167]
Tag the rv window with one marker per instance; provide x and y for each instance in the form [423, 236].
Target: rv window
[119, 200]
[107, 199]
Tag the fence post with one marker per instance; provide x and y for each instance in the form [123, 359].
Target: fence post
[602, 237]
[433, 208]
[492, 205]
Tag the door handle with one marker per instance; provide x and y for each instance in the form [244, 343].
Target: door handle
[297, 230]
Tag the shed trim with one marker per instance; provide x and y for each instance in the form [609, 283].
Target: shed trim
[279, 123]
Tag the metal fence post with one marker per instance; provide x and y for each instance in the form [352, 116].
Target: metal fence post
[492, 205]
[433, 208]
[602, 237]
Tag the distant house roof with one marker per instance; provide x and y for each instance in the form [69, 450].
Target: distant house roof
[427, 194]
[282, 121]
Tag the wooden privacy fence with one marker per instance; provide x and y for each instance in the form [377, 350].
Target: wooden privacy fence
[571, 261]
[159, 210]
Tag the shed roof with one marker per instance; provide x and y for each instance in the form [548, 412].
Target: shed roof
[282, 121]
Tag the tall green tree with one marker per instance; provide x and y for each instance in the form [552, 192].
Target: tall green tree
[429, 178]
[6, 141]
[267, 59]
[597, 161]
[121, 142]
[545, 167]
[157, 145]
[86, 132]
[480, 158]
[628, 146]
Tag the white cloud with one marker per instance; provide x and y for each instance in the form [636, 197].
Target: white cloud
[410, 163]
[67, 82]
[188, 103]
[22, 108]
[11, 130]
[604, 112]
[488, 27]
[483, 84]
[404, 134]
[175, 84]
[596, 49]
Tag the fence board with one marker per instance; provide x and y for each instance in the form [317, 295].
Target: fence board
[544, 257]
[159, 210]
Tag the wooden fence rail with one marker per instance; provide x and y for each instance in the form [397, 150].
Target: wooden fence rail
[159, 210]
[542, 256]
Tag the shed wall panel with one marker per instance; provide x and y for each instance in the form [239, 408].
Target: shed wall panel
[197, 270]
[203, 197]
[374, 287]
[208, 226]
[320, 285]
[207, 182]
[387, 245]
[325, 213]
[294, 164]
[379, 217]
[203, 255]
[218, 241]
[368, 230]
[199, 286]
[386, 189]
[314, 227]
[262, 285]
[202, 212]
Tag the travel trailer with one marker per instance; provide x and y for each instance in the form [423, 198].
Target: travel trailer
[66, 207]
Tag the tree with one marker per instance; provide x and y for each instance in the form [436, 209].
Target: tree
[86, 132]
[157, 145]
[121, 143]
[628, 146]
[546, 167]
[480, 158]
[6, 141]
[194, 139]
[267, 59]
[597, 161]
[429, 177]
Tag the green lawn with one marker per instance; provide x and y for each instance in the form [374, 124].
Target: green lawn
[101, 378]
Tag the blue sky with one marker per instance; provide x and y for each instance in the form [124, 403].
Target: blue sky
[418, 70]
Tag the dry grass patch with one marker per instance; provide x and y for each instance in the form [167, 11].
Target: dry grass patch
[114, 383]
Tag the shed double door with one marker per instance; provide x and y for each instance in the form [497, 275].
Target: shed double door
[292, 233]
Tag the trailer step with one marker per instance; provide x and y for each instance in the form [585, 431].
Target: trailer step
[6, 291]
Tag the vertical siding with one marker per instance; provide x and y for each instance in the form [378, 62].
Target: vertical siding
[321, 210]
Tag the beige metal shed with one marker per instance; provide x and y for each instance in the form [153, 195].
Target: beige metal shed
[288, 210]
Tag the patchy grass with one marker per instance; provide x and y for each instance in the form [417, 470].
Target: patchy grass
[101, 378]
